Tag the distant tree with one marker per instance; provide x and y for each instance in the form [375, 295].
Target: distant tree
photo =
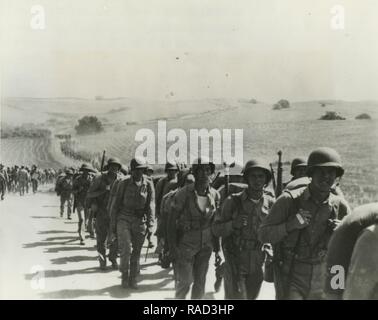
[254, 101]
[363, 116]
[88, 125]
[323, 105]
[281, 104]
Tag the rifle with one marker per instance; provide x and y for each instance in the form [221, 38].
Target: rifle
[278, 190]
[227, 177]
[148, 247]
[273, 177]
[102, 161]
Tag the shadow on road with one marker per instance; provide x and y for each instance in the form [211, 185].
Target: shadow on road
[55, 231]
[65, 260]
[63, 273]
[60, 238]
[44, 244]
[44, 217]
[59, 249]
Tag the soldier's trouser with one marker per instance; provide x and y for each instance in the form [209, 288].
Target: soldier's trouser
[130, 236]
[35, 185]
[81, 213]
[22, 186]
[89, 222]
[231, 290]
[307, 282]
[102, 232]
[250, 273]
[63, 200]
[191, 268]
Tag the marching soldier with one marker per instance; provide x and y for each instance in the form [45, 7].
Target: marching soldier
[237, 224]
[298, 168]
[81, 185]
[98, 197]
[300, 225]
[189, 230]
[132, 212]
[164, 186]
[63, 189]
[34, 175]
[23, 178]
[184, 178]
[4, 179]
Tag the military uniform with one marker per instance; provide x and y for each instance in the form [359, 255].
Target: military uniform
[242, 249]
[191, 239]
[132, 210]
[34, 175]
[98, 197]
[303, 251]
[23, 178]
[81, 186]
[64, 190]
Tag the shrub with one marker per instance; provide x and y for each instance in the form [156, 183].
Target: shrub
[363, 116]
[331, 115]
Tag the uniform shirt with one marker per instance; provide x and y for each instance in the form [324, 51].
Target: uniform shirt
[99, 191]
[362, 280]
[134, 201]
[65, 185]
[81, 186]
[23, 175]
[237, 205]
[315, 237]
[163, 186]
[187, 220]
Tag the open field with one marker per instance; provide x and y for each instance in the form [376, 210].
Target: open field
[295, 131]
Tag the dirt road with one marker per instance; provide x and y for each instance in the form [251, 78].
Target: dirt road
[41, 258]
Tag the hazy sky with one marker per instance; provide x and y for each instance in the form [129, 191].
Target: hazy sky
[183, 49]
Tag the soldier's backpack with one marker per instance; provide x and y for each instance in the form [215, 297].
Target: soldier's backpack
[344, 238]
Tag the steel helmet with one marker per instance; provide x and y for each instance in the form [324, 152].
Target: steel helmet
[202, 161]
[112, 161]
[298, 162]
[138, 163]
[171, 166]
[324, 157]
[257, 164]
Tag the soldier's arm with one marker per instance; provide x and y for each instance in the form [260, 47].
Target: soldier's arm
[158, 193]
[115, 203]
[363, 272]
[273, 228]
[222, 226]
[176, 209]
[344, 209]
[150, 205]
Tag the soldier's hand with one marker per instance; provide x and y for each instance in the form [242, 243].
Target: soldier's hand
[301, 220]
[240, 221]
[333, 223]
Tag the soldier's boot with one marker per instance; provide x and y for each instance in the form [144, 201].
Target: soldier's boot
[114, 263]
[133, 283]
[125, 280]
[102, 260]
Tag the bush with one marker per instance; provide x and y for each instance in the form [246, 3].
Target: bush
[331, 115]
[282, 104]
[88, 125]
[363, 116]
